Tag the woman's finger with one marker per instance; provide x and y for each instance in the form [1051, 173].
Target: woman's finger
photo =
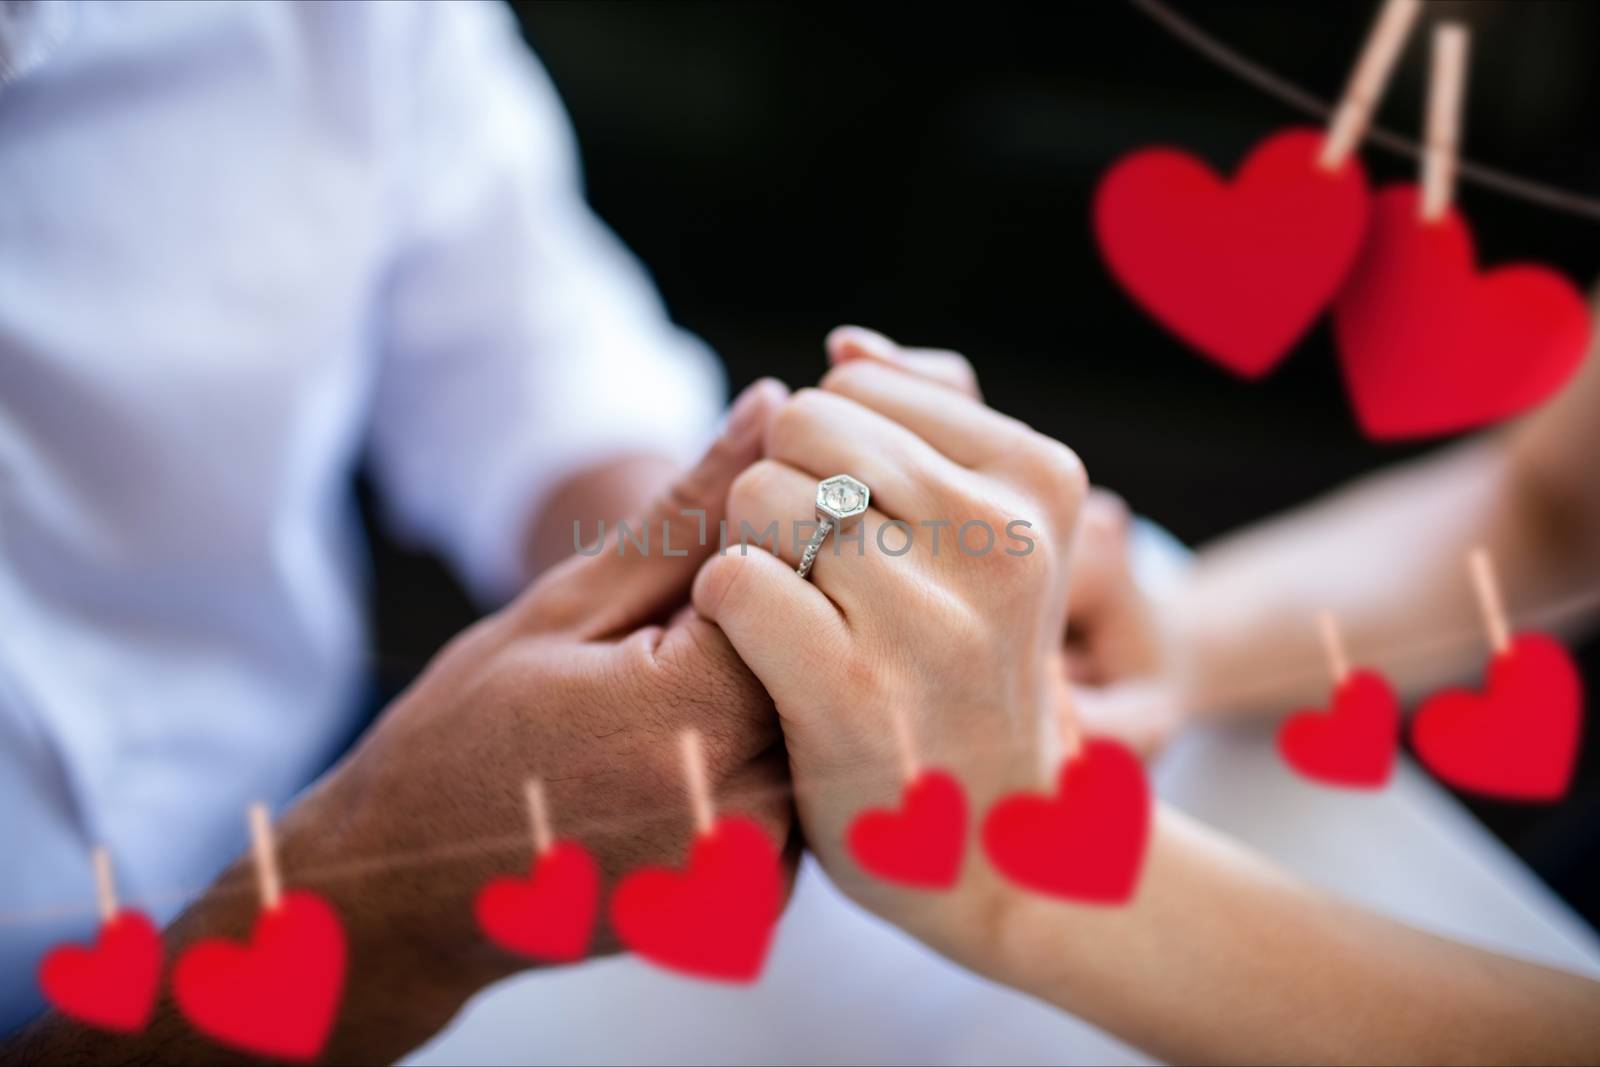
[939, 365]
[957, 426]
[824, 434]
[782, 626]
[773, 502]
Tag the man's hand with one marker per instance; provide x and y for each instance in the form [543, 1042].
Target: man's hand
[1121, 659]
[585, 681]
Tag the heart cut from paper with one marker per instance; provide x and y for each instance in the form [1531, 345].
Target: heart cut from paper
[922, 842]
[1352, 744]
[276, 995]
[1086, 842]
[550, 914]
[715, 918]
[1518, 738]
[1239, 270]
[111, 984]
[1430, 345]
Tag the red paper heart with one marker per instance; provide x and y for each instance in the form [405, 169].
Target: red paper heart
[112, 984]
[1238, 270]
[713, 920]
[1351, 745]
[922, 843]
[550, 914]
[1430, 346]
[1519, 739]
[275, 996]
[1085, 843]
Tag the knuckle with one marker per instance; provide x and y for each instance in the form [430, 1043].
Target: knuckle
[957, 368]
[979, 515]
[1106, 513]
[754, 489]
[687, 492]
[714, 692]
[974, 626]
[1027, 573]
[1057, 475]
[1104, 530]
[1070, 476]
[795, 422]
[848, 378]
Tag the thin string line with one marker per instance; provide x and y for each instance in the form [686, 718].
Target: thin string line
[1300, 99]
[579, 825]
[1554, 615]
[1245, 69]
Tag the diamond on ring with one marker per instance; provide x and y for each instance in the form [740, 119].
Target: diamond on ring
[838, 498]
[842, 497]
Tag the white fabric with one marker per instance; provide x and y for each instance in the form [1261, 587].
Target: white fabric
[842, 986]
[242, 245]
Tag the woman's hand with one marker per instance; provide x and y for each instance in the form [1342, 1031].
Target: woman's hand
[1218, 957]
[954, 618]
[1121, 656]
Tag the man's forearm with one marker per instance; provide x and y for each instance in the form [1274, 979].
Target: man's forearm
[394, 999]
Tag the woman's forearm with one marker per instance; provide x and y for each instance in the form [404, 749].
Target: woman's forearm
[1387, 556]
[1222, 958]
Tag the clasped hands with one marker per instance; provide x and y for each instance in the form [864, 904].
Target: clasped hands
[587, 679]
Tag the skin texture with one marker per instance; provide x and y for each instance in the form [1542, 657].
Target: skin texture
[1115, 653]
[585, 680]
[1220, 957]
[943, 638]
[609, 490]
[1387, 555]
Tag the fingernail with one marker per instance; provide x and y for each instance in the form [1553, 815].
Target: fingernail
[745, 417]
[867, 342]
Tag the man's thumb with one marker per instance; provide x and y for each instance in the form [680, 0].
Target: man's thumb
[647, 563]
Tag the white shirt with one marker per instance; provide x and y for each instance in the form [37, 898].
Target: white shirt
[244, 247]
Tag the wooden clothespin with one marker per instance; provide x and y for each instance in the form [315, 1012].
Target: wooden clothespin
[539, 817]
[105, 885]
[1368, 80]
[1487, 587]
[694, 772]
[268, 880]
[1333, 644]
[1441, 150]
[905, 743]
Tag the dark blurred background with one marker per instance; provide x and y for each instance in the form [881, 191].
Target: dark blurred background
[782, 169]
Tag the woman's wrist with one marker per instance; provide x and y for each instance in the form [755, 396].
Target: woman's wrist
[1199, 644]
[985, 924]
[1020, 940]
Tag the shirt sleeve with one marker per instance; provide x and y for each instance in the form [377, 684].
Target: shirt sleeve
[520, 341]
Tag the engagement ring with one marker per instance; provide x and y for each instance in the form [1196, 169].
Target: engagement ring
[839, 499]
